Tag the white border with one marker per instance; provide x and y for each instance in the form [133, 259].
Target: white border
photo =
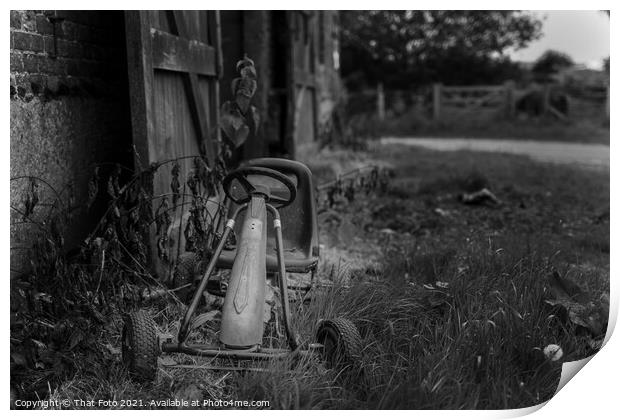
[592, 394]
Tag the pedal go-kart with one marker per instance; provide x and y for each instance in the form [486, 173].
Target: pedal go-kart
[284, 189]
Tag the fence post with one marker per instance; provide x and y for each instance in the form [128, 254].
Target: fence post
[380, 102]
[546, 98]
[510, 99]
[607, 101]
[436, 101]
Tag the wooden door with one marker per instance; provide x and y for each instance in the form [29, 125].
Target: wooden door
[303, 37]
[173, 69]
[173, 63]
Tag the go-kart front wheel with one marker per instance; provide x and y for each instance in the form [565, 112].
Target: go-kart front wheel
[140, 346]
[342, 343]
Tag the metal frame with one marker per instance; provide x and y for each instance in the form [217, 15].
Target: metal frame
[256, 352]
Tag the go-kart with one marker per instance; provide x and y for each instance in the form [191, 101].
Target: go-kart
[261, 187]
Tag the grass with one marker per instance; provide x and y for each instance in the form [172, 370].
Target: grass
[453, 317]
[591, 129]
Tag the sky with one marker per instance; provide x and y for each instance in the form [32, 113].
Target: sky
[582, 34]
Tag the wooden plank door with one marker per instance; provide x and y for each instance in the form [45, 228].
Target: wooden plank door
[303, 37]
[173, 69]
[174, 63]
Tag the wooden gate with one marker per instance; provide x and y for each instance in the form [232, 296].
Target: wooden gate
[174, 63]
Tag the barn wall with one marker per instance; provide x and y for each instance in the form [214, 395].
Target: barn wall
[249, 32]
[329, 88]
[263, 35]
[68, 106]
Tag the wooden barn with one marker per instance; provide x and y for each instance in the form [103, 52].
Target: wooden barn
[138, 87]
[296, 53]
[181, 65]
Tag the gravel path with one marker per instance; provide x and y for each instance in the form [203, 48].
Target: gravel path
[593, 155]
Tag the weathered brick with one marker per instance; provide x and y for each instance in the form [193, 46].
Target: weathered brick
[53, 84]
[68, 14]
[84, 33]
[21, 91]
[29, 22]
[74, 67]
[70, 30]
[16, 62]
[76, 50]
[37, 84]
[82, 61]
[68, 48]
[48, 65]
[31, 63]
[36, 43]
[84, 17]
[26, 41]
[20, 41]
[48, 45]
[62, 47]
[44, 26]
[57, 27]
[16, 19]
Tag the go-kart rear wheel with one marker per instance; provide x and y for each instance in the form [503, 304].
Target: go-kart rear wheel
[342, 343]
[186, 269]
[140, 347]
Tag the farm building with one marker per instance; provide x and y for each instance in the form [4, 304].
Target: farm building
[136, 87]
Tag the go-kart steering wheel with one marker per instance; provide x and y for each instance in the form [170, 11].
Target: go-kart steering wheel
[242, 174]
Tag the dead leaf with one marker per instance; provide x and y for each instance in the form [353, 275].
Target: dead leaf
[113, 350]
[31, 198]
[204, 318]
[578, 305]
[18, 359]
[167, 361]
[93, 187]
[233, 124]
[481, 197]
[189, 393]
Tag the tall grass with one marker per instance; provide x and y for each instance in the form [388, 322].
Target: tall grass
[476, 342]
[454, 317]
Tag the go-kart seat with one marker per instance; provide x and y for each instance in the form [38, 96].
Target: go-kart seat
[299, 222]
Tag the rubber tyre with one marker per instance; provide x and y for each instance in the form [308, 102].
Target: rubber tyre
[186, 269]
[140, 346]
[342, 343]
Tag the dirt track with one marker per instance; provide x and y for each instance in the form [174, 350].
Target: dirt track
[592, 155]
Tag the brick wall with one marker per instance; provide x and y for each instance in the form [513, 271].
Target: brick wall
[66, 52]
[69, 110]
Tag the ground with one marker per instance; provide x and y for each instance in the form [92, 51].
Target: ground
[455, 302]
[589, 126]
[581, 154]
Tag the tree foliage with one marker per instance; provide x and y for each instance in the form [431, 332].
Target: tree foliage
[551, 62]
[419, 47]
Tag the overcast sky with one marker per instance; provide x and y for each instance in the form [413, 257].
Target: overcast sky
[584, 35]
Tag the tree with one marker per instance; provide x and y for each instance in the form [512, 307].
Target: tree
[551, 62]
[420, 47]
